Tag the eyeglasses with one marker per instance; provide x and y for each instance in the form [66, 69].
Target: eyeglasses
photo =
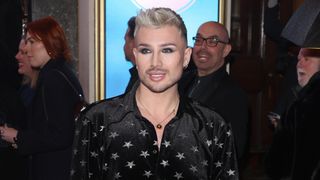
[211, 41]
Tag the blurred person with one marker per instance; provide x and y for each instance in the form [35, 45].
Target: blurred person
[151, 132]
[295, 153]
[128, 52]
[211, 85]
[49, 134]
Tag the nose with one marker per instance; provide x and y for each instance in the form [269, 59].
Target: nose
[156, 59]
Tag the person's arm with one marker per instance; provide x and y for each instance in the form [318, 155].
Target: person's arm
[88, 148]
[225, 158]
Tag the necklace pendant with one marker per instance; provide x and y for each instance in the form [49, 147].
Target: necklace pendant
[159, 126]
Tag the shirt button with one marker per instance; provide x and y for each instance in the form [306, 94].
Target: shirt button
[155, 151]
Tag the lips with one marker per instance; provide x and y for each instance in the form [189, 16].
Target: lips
[156, 75]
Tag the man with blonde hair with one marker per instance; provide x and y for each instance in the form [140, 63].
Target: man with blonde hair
[151, 132]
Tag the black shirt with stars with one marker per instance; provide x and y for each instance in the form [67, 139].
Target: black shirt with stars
[114, 141]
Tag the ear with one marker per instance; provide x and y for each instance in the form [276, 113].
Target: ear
[227, 50]
[187, 57]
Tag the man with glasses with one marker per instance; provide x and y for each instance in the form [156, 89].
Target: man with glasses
[211, 85]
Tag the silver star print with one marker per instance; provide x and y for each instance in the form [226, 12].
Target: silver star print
[220, 145]
[84, 142]
[130, 164]
[94, 134]
[194, 149]
[166, 143]
[193, 168]
[204, 163]
[180, 155]
[215, 140]
[114, 156]
[209, 142]
[113, 134]
[144, 154]
[93, 154]
[143, 132]
[127, 144]
[229, 154]
[147, 173]
[77, 132]
[117, 175]
[105, 167]
[85, 122]
[75, 151]
[218, 164]
[164, 163]
[231, 172]
[101, 128]
[178, 175]
[229, 133]
[155, 143]
[83, 163]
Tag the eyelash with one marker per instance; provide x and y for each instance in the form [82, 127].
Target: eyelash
[165, 50]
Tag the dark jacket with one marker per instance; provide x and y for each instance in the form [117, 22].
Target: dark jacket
[49, 134]
[219, 92]
[305, 115]
[196, 143]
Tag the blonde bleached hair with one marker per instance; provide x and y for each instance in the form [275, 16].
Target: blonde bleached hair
[160, 17]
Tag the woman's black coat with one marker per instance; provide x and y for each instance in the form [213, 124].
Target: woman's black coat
[49, 134]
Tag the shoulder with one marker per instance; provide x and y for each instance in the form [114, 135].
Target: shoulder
[202, 112]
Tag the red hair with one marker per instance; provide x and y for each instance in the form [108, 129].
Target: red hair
[52, 35]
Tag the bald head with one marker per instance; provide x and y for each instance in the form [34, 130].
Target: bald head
[216, 28]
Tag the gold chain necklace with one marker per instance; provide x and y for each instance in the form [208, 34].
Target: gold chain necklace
[159, 126]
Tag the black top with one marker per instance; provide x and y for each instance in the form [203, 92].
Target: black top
[49, 133]
[113, 141]
[219, 92]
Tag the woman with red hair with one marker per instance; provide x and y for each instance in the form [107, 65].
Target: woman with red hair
[49, 134]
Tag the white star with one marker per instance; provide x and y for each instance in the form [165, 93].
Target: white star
[218, 164]
[93, 154]
[231, 172]
[229, 133]
[180, 155]
[144, 154]
[117, 175]
[194, 149]
[166, 143]
[77, 132]
[155, 143]
[209, 142]
[130, 164]
[178, 175]
[164, 163]
[101, 128]
[94, 134]
[229, 154]
[204, 163]
[84, 142]
[105, 167]
[102, 148]
[85, 122]
[147, 173]
[90, 174]
[127, 144]
[83, 163]
[114, 156]
[75, 151]
[113, 134]
[215, 139]
[143, 132]
[193, 168]
[220, 145]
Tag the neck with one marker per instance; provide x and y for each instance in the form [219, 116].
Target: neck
[157, 103]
